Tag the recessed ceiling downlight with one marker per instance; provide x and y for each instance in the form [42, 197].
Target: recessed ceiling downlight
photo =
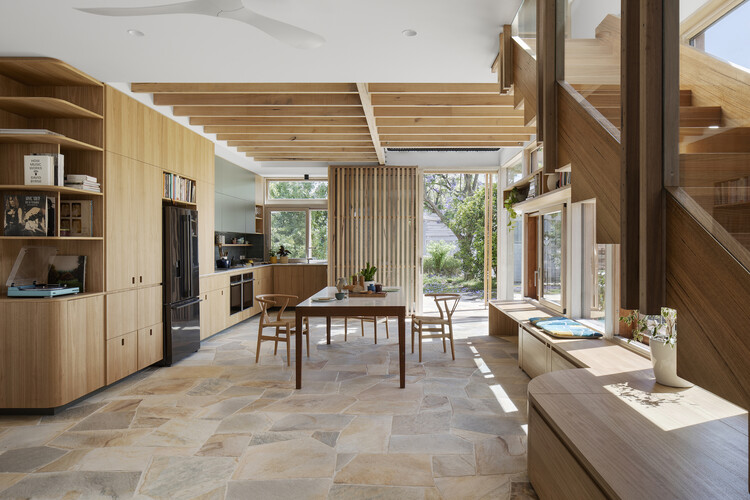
[409, 32]
[136, 33]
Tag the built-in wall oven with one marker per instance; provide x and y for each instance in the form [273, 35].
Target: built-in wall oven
[240, 292]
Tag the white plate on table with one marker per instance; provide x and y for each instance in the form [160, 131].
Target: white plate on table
[323, 299]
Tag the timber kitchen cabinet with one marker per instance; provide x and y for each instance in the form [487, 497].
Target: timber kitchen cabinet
[51, 351]
[134, 331]
[134, 224]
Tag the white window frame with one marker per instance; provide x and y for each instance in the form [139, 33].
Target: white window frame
[308, 227]
[320, 202]
[579, 275]
[562, 208]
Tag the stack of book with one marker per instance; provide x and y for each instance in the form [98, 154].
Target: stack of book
[178, 188]
[732, 191]
[83, 182]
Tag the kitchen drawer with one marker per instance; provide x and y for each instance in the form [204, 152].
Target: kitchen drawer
[122, 357]
[150, 306]
[122, 313]
[216, 282]
[150, 345]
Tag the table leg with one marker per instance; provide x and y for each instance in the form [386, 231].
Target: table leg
[298, 348]
[402, 349]
[328, 329]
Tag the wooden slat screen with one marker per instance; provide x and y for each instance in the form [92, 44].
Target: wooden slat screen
[373, 218]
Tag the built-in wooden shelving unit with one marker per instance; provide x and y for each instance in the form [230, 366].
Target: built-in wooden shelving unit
[45, 107]
[47, 94]
[53, 189]
[259, 219]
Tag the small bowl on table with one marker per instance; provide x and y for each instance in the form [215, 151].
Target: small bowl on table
[340, 295]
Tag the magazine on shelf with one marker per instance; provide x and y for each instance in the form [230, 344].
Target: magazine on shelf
[81, 178]
[26, 214]
[26, 131]
[68, 270]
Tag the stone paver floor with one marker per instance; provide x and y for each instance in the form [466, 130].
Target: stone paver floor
[216, 425]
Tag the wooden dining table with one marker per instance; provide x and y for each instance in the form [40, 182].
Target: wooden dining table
[392, 305]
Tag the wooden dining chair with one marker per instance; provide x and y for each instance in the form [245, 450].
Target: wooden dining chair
[367, 319]
[436, 325]
[284, 326]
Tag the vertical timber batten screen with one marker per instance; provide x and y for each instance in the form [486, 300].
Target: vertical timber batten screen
[373, 214]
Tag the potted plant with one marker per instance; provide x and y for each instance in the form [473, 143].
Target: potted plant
[283, 254]
[513, 198]
[663, 344]
[368, 273]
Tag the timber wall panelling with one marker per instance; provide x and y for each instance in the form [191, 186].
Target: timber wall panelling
[711, 301]
[374, 216]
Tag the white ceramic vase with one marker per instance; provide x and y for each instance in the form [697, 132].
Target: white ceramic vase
[664, 360]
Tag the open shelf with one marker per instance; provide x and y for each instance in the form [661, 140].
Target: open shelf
[539, 201]
[64, 142]
[235, 245]
[45, 71]
[179, 203]
[45, 107]
[53, 189]
[51, 238]
[739, 204]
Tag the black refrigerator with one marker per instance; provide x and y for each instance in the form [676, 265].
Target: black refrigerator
[182, 334]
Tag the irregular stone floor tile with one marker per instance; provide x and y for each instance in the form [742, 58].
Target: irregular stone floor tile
[185, 477]
[297, 458]
[74, 485]
[393, 470]
[279, 489]
[28, 459]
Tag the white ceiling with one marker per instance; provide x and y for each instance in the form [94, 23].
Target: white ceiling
[457, 41]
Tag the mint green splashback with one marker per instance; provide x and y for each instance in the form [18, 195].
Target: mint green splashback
[235, 198]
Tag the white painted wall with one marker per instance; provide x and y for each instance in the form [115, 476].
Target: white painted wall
[585, 15]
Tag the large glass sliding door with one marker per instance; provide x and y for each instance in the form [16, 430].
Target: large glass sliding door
[460, 237]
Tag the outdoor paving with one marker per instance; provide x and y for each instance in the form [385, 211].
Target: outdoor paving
[217, 425]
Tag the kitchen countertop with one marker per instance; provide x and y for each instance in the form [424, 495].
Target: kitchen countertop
[245, 269]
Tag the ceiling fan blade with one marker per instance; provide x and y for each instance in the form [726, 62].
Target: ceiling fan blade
[191, 7]
[291, 35]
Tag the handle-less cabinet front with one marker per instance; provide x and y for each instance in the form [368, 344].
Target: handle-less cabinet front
[122, 357]
[150, 345]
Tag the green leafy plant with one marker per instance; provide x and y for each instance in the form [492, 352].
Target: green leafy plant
[282, 252]
[663, 329]
[368, 272]
[639, 324]
[512, 199]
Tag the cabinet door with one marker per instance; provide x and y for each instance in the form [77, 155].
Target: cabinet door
[150, 306]
[150, 345]
[534, 355]
[122, 215]
[205, 314]
[206, 245]
[83, 357]
[122, 313]
[557, 362]
[122, 357]
[219, 310]
[148, 224]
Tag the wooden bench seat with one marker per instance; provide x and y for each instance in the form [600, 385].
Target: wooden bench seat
[621, 435]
